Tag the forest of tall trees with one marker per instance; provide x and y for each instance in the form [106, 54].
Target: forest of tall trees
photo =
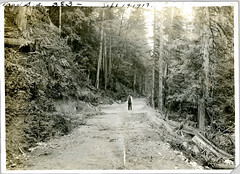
[193, 69]
[185, 69]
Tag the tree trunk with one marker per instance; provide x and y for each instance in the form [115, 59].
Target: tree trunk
[143, 84]
[60, 18]
[153, 83]
[110, 57]
[140, 84]
[205, 80]
[103, 54]
[206, 55]
[154, 55]
[21, 18]
[134, 80]
[201, 114]
[100, 53]
[121, 24]
[160, 68]
[165, 70]
[105, 63]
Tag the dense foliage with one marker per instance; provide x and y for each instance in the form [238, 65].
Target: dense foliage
[194, 85]
[45, 64]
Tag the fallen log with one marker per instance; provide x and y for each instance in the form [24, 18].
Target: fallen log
[16, 42]
[23, 44]
[165, 124]
[184, 128]
[204, 143]
[171, 127]
[189, 132]
[224, 166]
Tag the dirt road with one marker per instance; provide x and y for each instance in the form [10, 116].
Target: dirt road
[117, 139]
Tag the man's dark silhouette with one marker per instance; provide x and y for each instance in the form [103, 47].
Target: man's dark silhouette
[129, 101]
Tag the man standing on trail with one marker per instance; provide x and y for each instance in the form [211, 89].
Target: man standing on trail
[129, 101]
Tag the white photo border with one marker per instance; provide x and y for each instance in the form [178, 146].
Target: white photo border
[98, 3]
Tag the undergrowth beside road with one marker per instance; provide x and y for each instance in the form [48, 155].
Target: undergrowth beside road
[190, 152]
[36, 77]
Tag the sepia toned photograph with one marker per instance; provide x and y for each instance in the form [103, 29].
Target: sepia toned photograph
[120, 86]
